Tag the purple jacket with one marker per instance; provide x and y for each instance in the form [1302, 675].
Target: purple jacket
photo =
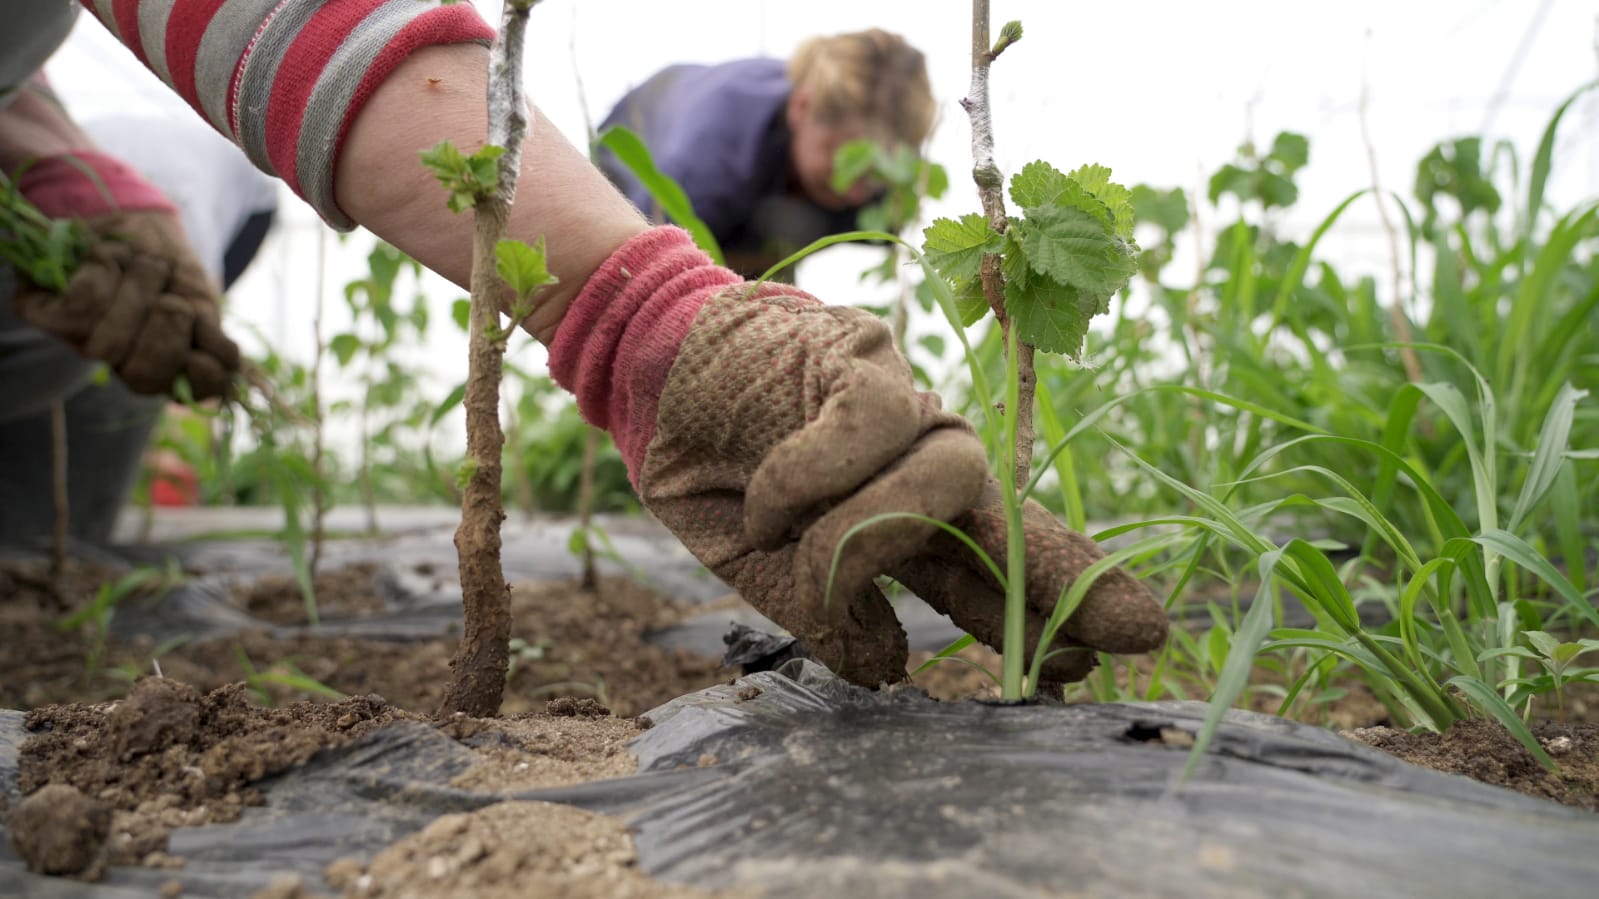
[720, 132]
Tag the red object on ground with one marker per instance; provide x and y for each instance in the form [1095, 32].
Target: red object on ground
[174, 483]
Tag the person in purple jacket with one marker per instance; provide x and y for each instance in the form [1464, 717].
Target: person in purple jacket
[752, 141]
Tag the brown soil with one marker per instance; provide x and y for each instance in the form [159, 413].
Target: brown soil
[572, 644]
[355, 591]
[169, 756]
[510, 850]
[1482, 750]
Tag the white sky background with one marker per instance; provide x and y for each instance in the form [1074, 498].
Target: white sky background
[1162, 92]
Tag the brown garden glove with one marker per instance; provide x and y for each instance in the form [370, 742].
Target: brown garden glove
[760, 426]
[140, 302]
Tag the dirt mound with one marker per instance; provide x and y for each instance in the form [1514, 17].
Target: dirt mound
[169, 756]
[512, 850]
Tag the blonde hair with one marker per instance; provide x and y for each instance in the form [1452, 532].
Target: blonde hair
[873, 77]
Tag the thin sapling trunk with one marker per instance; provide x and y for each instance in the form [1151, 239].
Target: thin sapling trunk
[1043, 273]
[991, 190]
[478, 669]
[1020, 378]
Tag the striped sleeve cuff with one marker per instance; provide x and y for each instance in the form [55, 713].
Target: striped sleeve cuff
[284, 79]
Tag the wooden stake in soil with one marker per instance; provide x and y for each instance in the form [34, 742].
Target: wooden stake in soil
[585, 506]
[478, 669]
[58, 488]
[991, 189]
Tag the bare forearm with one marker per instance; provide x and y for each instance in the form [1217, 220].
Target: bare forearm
[439, 94]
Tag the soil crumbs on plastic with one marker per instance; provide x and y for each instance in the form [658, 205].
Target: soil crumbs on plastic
[509, 851]
[1484, 751]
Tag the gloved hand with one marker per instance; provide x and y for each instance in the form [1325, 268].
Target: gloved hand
[139, 300]
[760, 426]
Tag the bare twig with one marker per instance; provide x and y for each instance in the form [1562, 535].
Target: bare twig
[58, 486]
[482, 658]
[585, 505]
[991, 189]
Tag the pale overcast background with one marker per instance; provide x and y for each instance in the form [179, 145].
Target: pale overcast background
[1163, 92]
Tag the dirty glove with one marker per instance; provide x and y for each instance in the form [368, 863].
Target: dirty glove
[139, 300]
[760, 426]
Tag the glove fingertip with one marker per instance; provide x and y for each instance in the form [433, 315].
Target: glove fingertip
[1120, 615]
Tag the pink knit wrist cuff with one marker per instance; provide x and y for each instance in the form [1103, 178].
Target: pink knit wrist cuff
[85, 183]
[617, 342]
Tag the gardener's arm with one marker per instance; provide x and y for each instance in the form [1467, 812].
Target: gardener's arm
[439, 94]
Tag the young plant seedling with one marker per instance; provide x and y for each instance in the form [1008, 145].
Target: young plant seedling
[1044, 275]
[485, 182]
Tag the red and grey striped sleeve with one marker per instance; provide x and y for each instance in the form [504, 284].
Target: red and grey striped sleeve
[285, 78]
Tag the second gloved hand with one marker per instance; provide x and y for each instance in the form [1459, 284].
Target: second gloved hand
[139, 300]
[761, 426]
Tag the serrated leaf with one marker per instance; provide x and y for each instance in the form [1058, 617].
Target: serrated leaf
[1091, 177]
[970, 302]
[521, 266]
[955, 248]
[1053, 317]
[1074, 248]
[1013, 258]
[1096, 180]
[1037, 184]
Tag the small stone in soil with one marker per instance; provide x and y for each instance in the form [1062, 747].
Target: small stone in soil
[58, 830]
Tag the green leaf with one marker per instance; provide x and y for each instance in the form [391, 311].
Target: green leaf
[461, 312]
[1165, 208]
[1074, 248]
[466, 178]
[853, 161]
[1096, 180]
[1037, 184]
[449, 402]
[1291, 150]
[1554, 436]
[344, 347]
[933, 343]
[971, 304]
[674, 201]
[521, 266]
[1544, 642]
[1051, 316]
[956, 248]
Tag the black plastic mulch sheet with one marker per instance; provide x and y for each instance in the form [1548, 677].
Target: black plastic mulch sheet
[822, 789]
